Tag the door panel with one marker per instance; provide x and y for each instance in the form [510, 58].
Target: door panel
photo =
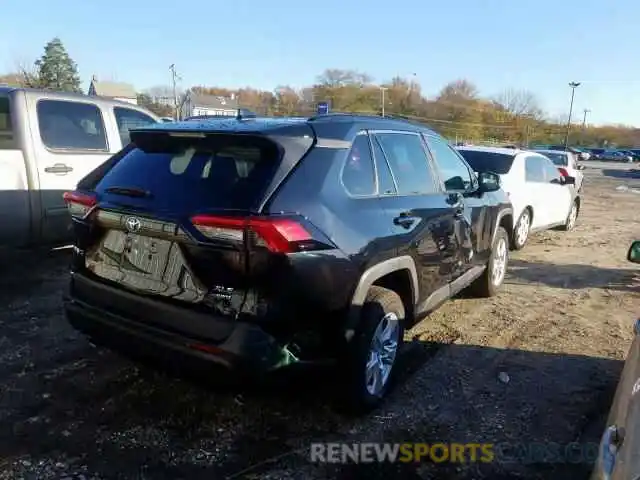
[557, 195]
[70, 140]
[537, 191]
[422, 221]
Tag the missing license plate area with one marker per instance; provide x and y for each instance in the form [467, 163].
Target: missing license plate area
[147, 264]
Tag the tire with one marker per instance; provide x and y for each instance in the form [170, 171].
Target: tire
[572, 217]
[521, 230]
[489, 283]
[381, 305]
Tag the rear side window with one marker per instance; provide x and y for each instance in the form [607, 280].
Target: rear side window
[186, 175]
[483, 162]
[535, 169]
[7, 137]
[358, 174]
[70, 125]
[408, 161]
[126, 119]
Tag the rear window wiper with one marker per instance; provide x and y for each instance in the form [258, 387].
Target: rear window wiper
[129, 192]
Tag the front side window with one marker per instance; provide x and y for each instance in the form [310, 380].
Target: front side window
[358, 173]
[409, 163]
[552, 175]
[68, 125]
[128, 119]
[453, 171]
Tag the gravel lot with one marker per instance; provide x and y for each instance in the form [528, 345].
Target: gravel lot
[538, 363]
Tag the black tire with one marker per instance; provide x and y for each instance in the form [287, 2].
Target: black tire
[484, 285]
[516, 243]
[379, 302]
[572, 217]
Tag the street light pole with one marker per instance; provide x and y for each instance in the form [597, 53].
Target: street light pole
[573, 86]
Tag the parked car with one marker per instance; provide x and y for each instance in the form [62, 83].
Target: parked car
[567, 164]
[48, 142]
[610, 155]
[262, 243]
[541, 197]
[579, 153]
[633, 154]
[619, 457]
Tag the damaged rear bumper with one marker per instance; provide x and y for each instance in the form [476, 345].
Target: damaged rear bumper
[139, 326]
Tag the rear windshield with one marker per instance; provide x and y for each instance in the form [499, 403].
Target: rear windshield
[557, 158]
[7, 138]
[488, 161]
[183, 174]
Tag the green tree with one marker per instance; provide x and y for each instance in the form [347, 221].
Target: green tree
[56, 70]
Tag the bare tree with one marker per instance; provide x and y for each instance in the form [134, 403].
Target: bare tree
[519, 103]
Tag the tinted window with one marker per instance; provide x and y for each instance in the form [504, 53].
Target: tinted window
[453, 171]
[534, 169]
[7, 139]
[191, 175]
[481, 162]
[127, 119]
[408, 161]
[71, 125]
[385, 179]
[358, 174]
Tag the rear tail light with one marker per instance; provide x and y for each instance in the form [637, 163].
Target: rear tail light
[79, 204]
[280, 235]
[563, 172]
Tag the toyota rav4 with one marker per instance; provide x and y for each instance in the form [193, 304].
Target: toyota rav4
[261, 243]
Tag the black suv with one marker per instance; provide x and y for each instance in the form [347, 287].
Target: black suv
[261, 243]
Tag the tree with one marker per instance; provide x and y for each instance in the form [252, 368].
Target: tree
[13, 80]
[56, 70]
[160, 109]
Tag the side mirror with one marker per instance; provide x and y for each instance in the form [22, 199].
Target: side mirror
[634, 252]
[568, 180]
[488, 182]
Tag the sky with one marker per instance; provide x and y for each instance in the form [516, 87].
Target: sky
[537, 45]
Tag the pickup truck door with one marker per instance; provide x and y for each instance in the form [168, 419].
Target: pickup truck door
[619, 455]
[71, 138]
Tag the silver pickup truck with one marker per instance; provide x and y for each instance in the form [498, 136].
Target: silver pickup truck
[48, 142]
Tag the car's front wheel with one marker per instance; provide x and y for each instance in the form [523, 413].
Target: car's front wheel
[372, 358]
[521, 230]
[488, 284]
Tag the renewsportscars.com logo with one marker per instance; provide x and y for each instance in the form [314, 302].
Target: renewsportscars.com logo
[506, 452]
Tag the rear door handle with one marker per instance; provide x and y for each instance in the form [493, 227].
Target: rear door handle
[59, 169]
[404, 220]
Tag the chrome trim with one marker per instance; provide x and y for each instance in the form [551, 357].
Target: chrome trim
[148, 227]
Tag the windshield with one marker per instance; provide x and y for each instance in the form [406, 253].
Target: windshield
[499, 163]
[189, 174]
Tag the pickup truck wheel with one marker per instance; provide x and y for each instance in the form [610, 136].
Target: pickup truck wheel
[521, 230]
[488, 284]
[372, 357]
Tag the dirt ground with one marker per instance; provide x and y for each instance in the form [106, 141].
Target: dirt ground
[537, 363]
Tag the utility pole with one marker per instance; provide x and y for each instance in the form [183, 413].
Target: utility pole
[382, 90]
[174, 80]
[573, 86]
[584, 118]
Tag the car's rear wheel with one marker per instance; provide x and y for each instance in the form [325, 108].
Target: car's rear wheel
[521, 230]
[372, 358]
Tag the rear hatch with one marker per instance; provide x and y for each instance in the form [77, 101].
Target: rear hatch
[179, 215]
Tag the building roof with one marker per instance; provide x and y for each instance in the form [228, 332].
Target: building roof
[113, 89]
[213, 101]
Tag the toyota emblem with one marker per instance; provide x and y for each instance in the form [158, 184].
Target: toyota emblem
[133, 224]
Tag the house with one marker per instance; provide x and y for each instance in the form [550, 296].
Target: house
[114, 90]
[195, 104]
